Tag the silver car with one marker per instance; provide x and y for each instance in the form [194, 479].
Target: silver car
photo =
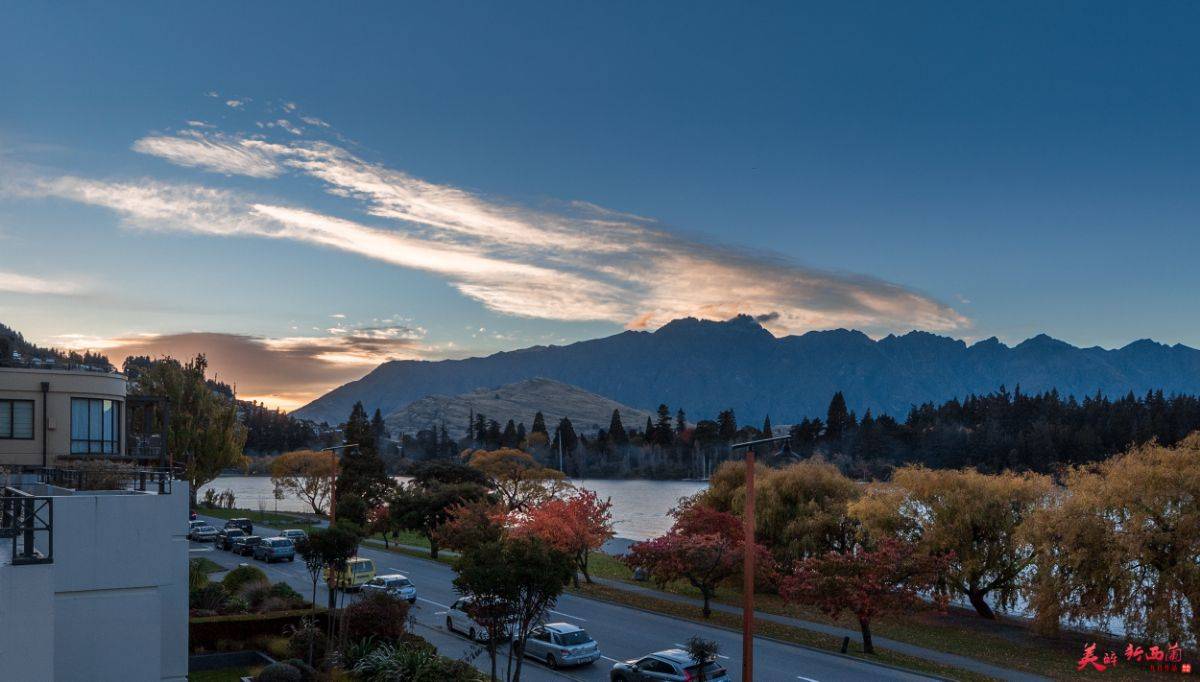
[293, 534]
[394, 584]
[672, 665]
[202, 533]
[459, 620]
[561, 644]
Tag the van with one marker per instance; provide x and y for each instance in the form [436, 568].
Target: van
[358, 571]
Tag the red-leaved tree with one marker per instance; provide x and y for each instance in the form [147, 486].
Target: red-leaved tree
[577, 526]
[866, 582]
[704, 547]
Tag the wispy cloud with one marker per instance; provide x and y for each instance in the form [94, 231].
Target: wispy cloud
[16, 283]
[576, 262]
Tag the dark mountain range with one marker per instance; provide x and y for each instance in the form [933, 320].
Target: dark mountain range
[705, 367]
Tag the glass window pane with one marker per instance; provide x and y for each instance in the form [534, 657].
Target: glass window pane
[95, 423]
[22, 419]
[5, 419]
[79, 419]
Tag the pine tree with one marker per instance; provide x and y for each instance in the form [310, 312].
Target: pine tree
[378, 429]
[567, 432]
[837, 418]
[648, 436]
[616, 430]
[520, 434]
[539, 424]
[509, 438]
[663, 433]
[766, 429]
[361, 472]
[480, 436]
[680, 421]
[726, 426]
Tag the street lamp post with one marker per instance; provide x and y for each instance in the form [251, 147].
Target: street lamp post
[748, 556]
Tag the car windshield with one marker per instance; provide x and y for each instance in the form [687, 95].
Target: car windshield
[401, 582]
[281, 543]
[573, 638]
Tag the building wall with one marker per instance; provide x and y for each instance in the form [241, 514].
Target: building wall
[25, 384]
[113, 604]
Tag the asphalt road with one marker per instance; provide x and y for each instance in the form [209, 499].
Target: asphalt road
[623, 633]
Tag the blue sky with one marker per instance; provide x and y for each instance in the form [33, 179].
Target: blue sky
[304, 191]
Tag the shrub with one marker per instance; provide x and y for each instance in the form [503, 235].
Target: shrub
[301, 635]
[243, 575]
[378, 615]
[255, 594]
[283, 590]
[307, 673]
[211, 597]
[236, 604]
[350, 654]
[415, 663]
[279, 672]
[197, 578]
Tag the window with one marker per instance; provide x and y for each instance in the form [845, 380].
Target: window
[16, 419]
[95, 426]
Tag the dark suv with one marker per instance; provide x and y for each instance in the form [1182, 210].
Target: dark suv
[244, 524]
[245, 544]
[226, 536]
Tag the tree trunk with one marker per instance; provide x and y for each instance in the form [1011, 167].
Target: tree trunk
[865, 625]
[587, 577]
[433, 547]
[520, 659]
[707, 596]
[980, 604]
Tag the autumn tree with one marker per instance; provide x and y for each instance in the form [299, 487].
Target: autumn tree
[471, 524]
[305, 474]
[517, 478]
[204, 431]
[577, 525]
[704, 547]
[800, 510]
[866, 582]
[424, 503]
[1123, 541]
[973, 517]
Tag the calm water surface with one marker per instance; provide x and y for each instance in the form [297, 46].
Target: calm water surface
[640, 508]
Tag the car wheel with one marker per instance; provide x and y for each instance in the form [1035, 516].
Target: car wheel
[472, 635]
[449, 624]
[550, 662]
[291, 558]
[412, 601]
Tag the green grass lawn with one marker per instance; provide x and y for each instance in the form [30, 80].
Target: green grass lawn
[282, 519]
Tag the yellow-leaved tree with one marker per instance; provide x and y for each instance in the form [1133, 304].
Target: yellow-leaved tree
[972, 520]
[1124, 542]
[306, 474]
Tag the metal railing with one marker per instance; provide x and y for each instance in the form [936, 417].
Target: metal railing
[27, 518]
[139, 479]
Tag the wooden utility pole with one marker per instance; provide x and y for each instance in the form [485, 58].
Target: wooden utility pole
[748, 556]
[748, 573]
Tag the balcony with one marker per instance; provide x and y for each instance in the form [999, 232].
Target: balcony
[100, 477]
[28, 520]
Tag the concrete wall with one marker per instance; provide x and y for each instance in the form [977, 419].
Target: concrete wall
[25, 384]
[113, 605]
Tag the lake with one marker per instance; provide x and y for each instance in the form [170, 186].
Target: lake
[640, 507]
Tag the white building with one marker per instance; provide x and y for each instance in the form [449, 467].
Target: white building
[93, 583]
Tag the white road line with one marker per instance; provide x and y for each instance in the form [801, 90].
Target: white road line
[567, 615]
[610, 659]
[681, 646]
[430, 601]
[806, 679]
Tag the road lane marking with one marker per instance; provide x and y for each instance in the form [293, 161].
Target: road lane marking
[806, 679]
[610, 659]
[567, 615]
[430, 601]
[684, 647]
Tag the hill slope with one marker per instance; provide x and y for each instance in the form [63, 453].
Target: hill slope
[517, 401]
[705, 367]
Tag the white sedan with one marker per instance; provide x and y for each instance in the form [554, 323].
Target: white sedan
[394, 584]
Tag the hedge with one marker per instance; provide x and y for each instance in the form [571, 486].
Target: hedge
[205, 632]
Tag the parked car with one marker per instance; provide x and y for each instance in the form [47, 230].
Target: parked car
[226, 536]
[358, 572]
[275, 549]
[458, 619]
[558, 644]
[202, 533]
[245, 544]
[294, 534]
[672, 664]
[394, 584]
[244, 524]
[196, 524]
